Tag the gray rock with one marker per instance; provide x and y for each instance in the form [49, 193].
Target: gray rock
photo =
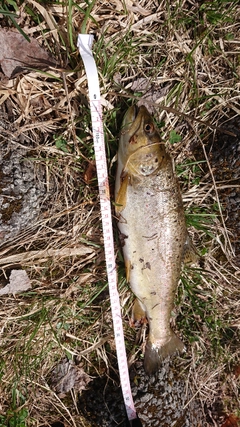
[22, 190]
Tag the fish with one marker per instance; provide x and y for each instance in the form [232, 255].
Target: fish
[153, 232]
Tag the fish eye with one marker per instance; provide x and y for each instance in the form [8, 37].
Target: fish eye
[149, 128]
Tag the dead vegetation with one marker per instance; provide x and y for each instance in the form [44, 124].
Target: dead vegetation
[181, 59]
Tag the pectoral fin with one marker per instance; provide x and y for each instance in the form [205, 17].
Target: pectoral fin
[190, 255]
[128, 268]
[122, 194]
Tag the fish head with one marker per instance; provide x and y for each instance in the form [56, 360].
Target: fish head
[141, 150]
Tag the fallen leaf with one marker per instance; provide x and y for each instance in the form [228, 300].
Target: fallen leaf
[67, 376]
[141, 10]
[18, 282]
[88, 174]
[236, 371]
[17, 54]
[80, 250]
[231, 421]
[75, 286]
[151, 93]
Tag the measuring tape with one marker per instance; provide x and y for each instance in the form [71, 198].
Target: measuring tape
[85, 48]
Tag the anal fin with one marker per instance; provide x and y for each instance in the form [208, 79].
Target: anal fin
[139, 316]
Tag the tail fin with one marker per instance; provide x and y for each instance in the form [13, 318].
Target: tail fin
[156, 353]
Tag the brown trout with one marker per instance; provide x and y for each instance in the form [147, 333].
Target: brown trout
[153, 229]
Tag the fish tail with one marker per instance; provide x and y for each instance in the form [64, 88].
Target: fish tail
[155, 354]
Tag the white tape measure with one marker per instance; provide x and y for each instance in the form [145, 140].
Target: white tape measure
[85, 47]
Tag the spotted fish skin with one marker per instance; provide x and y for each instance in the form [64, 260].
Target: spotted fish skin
[152, 224]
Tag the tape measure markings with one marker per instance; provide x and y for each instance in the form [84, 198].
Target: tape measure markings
[84, 44]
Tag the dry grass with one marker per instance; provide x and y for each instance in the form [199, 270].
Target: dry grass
[181, 59]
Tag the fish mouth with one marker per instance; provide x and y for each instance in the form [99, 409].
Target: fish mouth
[135, 112]
[130, 124]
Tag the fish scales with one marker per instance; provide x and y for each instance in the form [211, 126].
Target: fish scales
[152, 224]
